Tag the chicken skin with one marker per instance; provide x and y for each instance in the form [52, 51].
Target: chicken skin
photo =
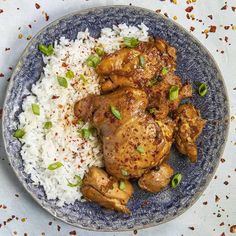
[132, 144]
[189, 127]
[107, 191]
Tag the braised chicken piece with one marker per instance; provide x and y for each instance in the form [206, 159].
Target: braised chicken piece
[106, 191]
[150, 67]
[156, 180]
[189, 127]
[132, 142]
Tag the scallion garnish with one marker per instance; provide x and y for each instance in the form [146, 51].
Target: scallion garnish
[154, 81]
[70, 74]
[142, 61]
[202, 90]
[164, 71]
[140, 149]
[176, 180]
[152, 110]
[122, 185]
[19, 133]
[116, 113]
[131, 42]
[62, 81]
[99, 51]
[173, 93]
[35, 109]
[78, 182]
[93, 60]
[86, 133]
[55, 166]
[47, 50]
[124, 172]
[47, 125]
[83, 78]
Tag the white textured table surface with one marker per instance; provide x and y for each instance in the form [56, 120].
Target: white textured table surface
[211, 215]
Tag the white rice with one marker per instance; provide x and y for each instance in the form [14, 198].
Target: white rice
[62, 143]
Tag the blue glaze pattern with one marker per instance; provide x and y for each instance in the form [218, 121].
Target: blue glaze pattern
[194, 65]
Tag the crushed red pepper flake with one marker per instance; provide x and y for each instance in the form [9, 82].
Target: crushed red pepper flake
[46, 16]
[212, 28]
[232, 229]
[30, 26]
[189, 9]
[191, 227]
[226, 27]
[37, 5]
[25, 234]
[205, 203]
[222, 160]
[226, 39]
[1, 75]
[72, 232]
[210, 16]
[192, 28]
[223, 234]
[55, 97]
[226, 182]
[158, 10]
[233, 8]
[217, 199]
[1, 11]
[7, 49]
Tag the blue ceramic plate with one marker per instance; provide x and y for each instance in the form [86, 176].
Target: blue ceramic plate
[195, 64]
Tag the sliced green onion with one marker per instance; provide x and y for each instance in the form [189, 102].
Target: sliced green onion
[142, 61]
[131, 42]
[164, 71]
[35, 109]
[55, 166]
[86, 133]
[202, 90]
[122, 185]
[62, 81]
[154, 81]
[83, 78]
[140, 149]
[47, 125]
[124, 172]
[152, 110]
[19, 133]
[47, 50]
[78, 182]
[70, 74]
[99, 51]
[173, 93]
[116, 113]
[93, 60]
[176, 180]
[80, 122]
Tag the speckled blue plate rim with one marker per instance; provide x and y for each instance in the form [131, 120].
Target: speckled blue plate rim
[17, 68]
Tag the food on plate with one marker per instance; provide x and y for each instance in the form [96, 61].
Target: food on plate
[104, 112]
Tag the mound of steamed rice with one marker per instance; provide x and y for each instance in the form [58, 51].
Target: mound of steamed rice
[62, 142]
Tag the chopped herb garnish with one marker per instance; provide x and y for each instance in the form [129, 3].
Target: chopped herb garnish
[124, 172]
[176, 180]
[116, 113]
[131, 42]
[19, 133]
[140, 149]
[47, 125]
[99, 51]
[122, 185]
[164, 71]
[35, 109]
[55, 166]
[47, 50]
[154, 81]
[142, 61]
[86, 133]
[62, 81]
[202, 90]
[83, 78]
[70, 74]
[93, 60]
[173, 93]
[152, 110]
[78, 182]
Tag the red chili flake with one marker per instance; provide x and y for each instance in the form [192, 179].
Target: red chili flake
[55, 97]
[210, 16]
[1, 75]
[46, 16]
[4, 206]
[226, 183]
[224, 7]
[217, 199]
[30, 26]
[192, 28]
[226, 39]
[7, 49]
[233, 8]
[72, 232]
[191, 227]
[37, 5]
[189, 9]
[222, 223]
[64, 64]
[58, 228]
[212, 28]
[205, 203]
[223, 234]
[158, 10]
[135, 231]
[226, 27]
[25, 234]
[188, 16]
[166, 15]
[1, 11]
[233, 229]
